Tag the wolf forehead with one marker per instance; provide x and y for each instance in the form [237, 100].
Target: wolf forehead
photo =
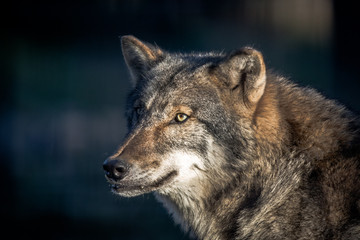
[181, 74]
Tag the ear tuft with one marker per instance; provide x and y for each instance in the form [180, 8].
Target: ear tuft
[139, 57]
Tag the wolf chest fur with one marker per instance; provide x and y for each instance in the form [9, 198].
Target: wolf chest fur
[235, 152]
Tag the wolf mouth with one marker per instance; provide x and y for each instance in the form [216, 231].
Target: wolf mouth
[129, 189]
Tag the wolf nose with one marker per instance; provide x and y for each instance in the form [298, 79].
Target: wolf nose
[115, 169]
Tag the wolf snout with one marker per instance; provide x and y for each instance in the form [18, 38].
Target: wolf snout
[115, 169]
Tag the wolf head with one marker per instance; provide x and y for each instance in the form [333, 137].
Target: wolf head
[189, 115]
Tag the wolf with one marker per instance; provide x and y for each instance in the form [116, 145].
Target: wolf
[234, 151]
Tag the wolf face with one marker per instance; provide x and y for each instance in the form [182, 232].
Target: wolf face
[181, 118]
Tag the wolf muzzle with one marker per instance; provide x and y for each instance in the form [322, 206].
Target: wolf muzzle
[115, 169]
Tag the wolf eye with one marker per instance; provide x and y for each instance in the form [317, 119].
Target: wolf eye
[181, 117]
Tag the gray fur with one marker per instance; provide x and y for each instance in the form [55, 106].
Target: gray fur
[258, 157]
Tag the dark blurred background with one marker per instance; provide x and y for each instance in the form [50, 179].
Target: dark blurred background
[64, 82]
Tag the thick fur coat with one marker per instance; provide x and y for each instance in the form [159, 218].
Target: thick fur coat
[235, 152]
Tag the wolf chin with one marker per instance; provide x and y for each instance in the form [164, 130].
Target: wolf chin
[236, 152]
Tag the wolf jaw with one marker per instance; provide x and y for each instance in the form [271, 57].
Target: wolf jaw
[259, 157]
[181, 169]
[129, 189]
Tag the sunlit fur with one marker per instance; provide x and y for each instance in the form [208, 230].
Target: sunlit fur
[257, 156]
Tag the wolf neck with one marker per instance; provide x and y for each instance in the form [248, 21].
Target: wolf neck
[198, 213]
[186, 211]
[301, 118]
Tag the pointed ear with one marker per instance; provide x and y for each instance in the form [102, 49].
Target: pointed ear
[244, 70]
[139, 57]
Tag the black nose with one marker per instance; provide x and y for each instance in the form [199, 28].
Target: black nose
[115, 169]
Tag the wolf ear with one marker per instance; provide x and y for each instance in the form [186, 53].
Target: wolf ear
[139, 57]
[244, 70]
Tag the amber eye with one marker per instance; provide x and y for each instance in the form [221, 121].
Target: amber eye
[181, 117]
